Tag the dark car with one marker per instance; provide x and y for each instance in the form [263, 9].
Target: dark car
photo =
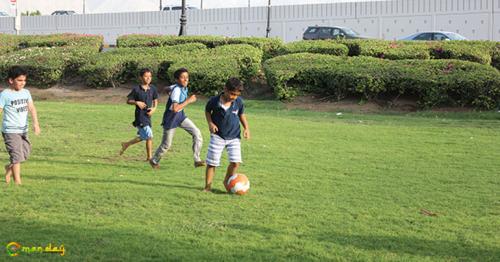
[63, 12]
[434, 36]
[328, 32]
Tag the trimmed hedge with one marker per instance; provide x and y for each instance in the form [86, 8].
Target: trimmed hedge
[111, 68]
[208, 67]
[269, 46]
[59, 40]
[434, 82]
[319, 46]
[45, 66]
[474, 51]
[461, 50]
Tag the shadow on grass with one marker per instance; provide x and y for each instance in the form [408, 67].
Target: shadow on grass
[108, 181]
[414, 246]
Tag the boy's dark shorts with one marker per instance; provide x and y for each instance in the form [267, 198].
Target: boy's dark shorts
[18, 146]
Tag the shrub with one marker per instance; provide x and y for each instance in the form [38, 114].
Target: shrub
[434, 82]
[319, 46]
[45, 66]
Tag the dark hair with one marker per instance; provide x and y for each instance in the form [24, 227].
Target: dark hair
[179, 72]
[144, 71]
[234, 84]
[15, 72]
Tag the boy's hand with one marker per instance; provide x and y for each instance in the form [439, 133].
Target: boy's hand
[213, 128]
[246, 133]
[36, 129]
[140, 104]
[150, 112]
[192, 99]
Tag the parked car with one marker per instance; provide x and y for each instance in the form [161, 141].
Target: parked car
[327, 32]
[63, 12]
[2, 14]
[434, 36]
[177, 7]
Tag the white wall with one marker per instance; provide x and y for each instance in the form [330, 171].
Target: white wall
[475, 19]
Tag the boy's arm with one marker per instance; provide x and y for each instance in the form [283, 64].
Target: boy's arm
[176, 107]
[140, 104]
[246, 128]
[153, 108]
[34, 117]
[211, 126]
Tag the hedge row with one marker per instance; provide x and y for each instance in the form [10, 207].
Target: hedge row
[208, 67]
[434, 82]
[320, 47]
[269, 46]
[46, 65]
[10, 43]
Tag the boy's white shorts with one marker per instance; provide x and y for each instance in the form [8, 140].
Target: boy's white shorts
[217, 145]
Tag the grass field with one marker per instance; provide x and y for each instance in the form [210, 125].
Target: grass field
[323, 187]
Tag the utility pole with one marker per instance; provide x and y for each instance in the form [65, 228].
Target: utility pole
[268, 29]
[182, 31]
[248, 3]
[83, 6]
[201, 4]
[161, 5]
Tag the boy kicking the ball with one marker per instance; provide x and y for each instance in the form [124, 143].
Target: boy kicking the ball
[224, 114]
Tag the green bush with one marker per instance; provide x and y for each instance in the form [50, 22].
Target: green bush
[59, 40]
[495, 56]
[270, 46]
[8, 43]
[461, 50]
[320, 46]
[138, 40]
[45, 65]
[434, 82]
[112, 68]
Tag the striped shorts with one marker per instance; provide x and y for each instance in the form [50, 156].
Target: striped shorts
[217, 145]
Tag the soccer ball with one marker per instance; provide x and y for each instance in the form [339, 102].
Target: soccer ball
[238, 184]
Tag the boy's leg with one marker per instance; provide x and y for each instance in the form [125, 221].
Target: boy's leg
[16, 171]
[125, 145]
[166, 143]
[149, 149]
[8, 173]
[231, 170]
[234, 153]
[191, 128]
[209, 176]
[214, 153]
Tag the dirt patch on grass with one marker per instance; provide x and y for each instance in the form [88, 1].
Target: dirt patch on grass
[258, 90]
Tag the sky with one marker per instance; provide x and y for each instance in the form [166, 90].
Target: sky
[105, 6]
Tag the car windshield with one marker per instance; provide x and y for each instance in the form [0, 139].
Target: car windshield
[350, 31]
[454, 36]
[312, 30]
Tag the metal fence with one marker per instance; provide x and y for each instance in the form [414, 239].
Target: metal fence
[475, 19]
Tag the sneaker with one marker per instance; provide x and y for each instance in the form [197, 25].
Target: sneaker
[153, 164]
[199, 163]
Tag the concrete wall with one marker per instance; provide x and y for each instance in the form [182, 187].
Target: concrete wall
[475, 19]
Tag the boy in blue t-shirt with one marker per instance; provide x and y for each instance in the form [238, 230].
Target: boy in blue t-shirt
[145, 99]
[15, 103]
[175, 117]
[224, 114]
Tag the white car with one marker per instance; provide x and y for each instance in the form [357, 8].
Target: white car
[434, 36]
[3, 14]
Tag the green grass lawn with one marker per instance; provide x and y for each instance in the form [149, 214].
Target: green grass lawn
[323, 187]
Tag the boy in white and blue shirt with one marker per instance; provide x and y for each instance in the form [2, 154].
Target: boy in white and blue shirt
[175, 117]
[15, 103]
